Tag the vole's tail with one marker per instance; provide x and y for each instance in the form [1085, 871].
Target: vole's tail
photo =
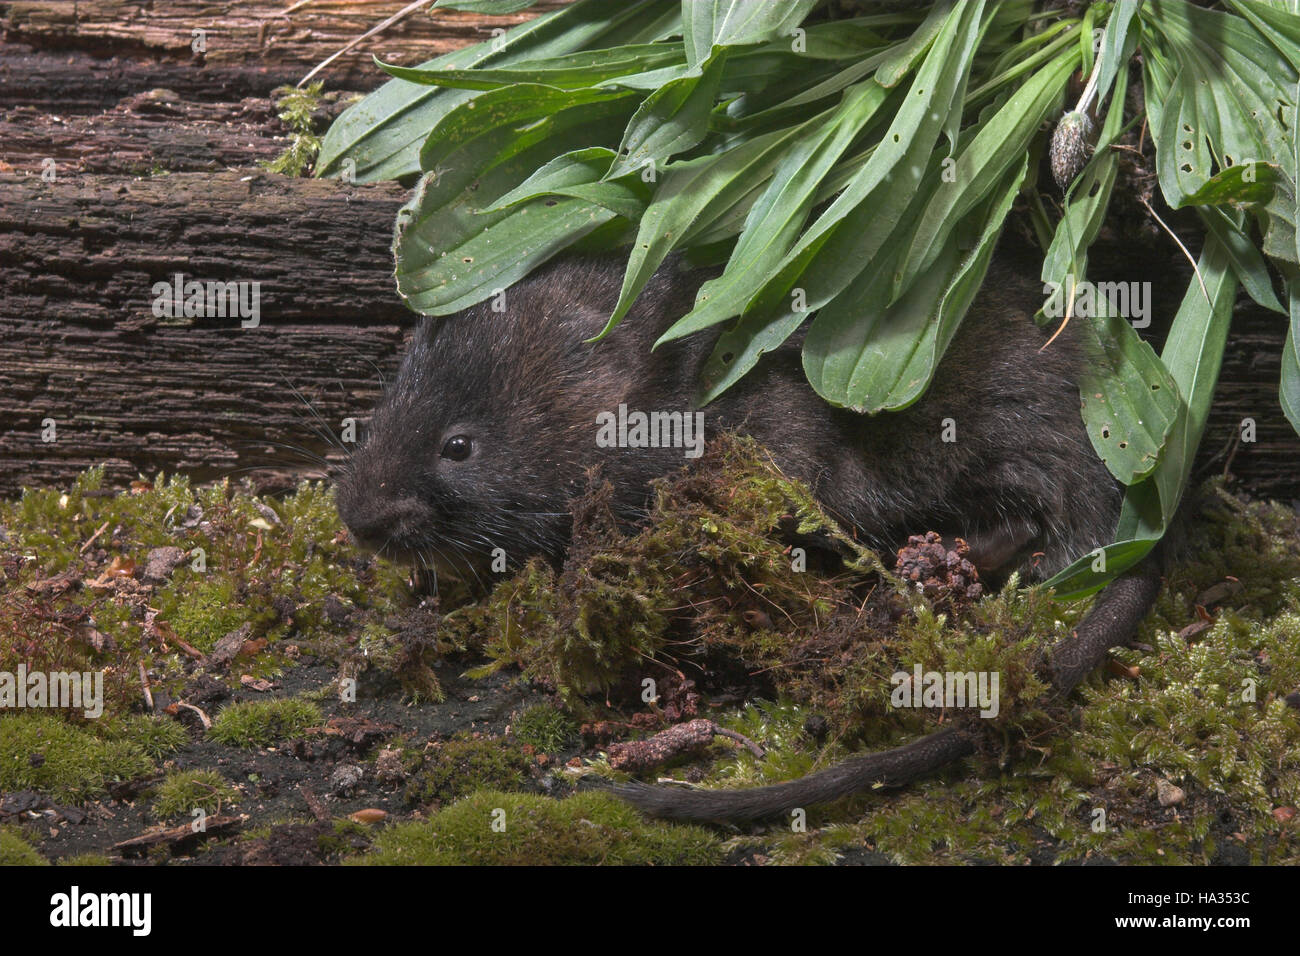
[1111, 622]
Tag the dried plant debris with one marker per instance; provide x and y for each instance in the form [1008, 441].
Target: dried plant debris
[736, 607]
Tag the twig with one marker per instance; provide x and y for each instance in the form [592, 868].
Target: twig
[144, 682]
[401, 14]
[1069, 313]
[85, 547]
[752, 747]
[203, 718]
[189, 649]
[678, 739]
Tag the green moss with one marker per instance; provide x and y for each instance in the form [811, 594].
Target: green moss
[295, 108]
[86, 859]
[585, 829]
[464, 764]
[210, 610]
[156, 736]
[184, 791]
[16, 851]
[42, 752]
[546, 728]
[343, 840]
[710, 561]
[260, 723]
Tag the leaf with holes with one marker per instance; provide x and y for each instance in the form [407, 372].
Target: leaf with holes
[882, 359]
[691, 196]
[1192, 355]
[845, 238]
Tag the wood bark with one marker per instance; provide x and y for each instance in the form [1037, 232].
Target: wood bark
[80, 344]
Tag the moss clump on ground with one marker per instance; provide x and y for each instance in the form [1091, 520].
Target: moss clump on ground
[16, 851]
[464, 764]
[42, 752]
[184, 791]
[259, 723]
[156, 736]
[547, 728]
[86, 859]
[501, 829]
[709, 577]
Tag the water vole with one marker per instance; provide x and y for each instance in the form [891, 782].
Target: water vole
[494, 418]
[497, 413]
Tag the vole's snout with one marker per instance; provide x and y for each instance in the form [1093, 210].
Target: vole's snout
[380, 514]
[386, 522]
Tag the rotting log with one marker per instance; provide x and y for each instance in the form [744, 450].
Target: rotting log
[80, 344]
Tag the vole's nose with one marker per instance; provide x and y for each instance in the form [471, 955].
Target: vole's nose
[377, 515]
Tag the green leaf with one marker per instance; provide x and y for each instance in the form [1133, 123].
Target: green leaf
[1252, 272]
[739, 349]
[883, 359]
[1129, 401]
[473, 166]
[572, 71]
[905, 57]
[672, 119]
[775, 220]
[1117, 46]
[1247, 182]
[499, 124]
[1000, 143]
[382, 134]
[568, 169]
[1224, 107]
[1280, 24]
[1289, 385]
[577, 174]
[1086, 203]
[477, 264]
[792, 108]
[713, 23]
[692, 195]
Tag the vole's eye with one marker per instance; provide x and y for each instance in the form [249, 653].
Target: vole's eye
[457, 448]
